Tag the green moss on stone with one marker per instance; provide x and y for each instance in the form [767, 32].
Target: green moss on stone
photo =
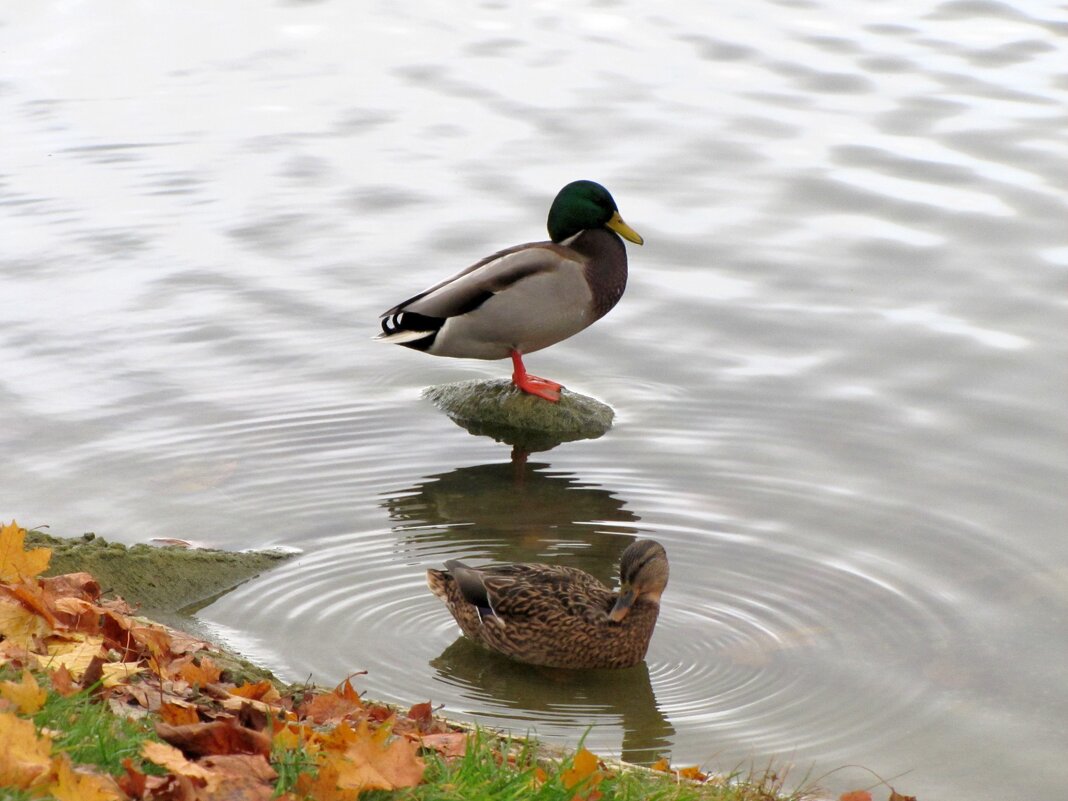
[158, 580]
[498, 409]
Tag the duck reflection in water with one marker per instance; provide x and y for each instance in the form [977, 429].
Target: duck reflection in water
[575, 699]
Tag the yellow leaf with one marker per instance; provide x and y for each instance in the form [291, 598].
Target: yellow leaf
[169, 757]
[74, 654]
[19, 624]
[27, 694]
[24, 756]
[16, 563]
[71, 784]
[116, 673]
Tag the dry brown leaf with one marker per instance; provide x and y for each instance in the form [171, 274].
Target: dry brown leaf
[27, 694]
[223, 736]
[62, 682]
[25, 757]
[896, 796]
[329, 708]
[449, 744]
[16, 563]
[81, 586]
[855, 795]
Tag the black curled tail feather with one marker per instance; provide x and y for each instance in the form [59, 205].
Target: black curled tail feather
[405, 322]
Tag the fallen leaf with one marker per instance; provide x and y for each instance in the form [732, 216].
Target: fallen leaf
[75, 653]
[693, 773]
[259, 691]
[661, 765]
[449, 744]
[207, 672]
[19, 624]
[178, 714]
[421, 714]
[583, 768]
[896, 796]
[76, 784]
[16, 563]
[169, 757]
[241, 777]
[81, 586]
[25, 757]
[329, 708]
[27, 694]
[115, 673]
[324, 786]
[855, 795]
[218, 737]
[62, 682]
[366, 762]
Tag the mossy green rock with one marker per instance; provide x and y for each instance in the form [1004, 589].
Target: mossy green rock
[498, 409]
[158, 580]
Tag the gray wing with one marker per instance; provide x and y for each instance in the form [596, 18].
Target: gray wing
[470, 288]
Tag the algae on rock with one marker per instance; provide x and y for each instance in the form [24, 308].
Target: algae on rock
[499, 410]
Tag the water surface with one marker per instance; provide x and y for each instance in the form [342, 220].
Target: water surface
[838, 372]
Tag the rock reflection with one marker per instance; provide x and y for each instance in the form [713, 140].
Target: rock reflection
[622, 698]
[516, 511]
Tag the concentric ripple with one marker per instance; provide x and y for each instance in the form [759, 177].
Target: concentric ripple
[764, 646]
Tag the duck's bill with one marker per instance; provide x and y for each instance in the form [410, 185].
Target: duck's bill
[624, 230]
[623, 605]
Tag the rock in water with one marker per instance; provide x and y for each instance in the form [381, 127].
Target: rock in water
[497, 409]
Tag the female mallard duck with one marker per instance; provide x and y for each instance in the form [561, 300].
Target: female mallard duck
[558, 616]
[527, 297]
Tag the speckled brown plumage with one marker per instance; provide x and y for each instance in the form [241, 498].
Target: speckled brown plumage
[558, 616]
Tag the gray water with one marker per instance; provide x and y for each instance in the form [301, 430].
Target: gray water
[839, 369]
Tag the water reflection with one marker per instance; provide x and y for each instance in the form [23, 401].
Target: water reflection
[622, 698]
[516, 511]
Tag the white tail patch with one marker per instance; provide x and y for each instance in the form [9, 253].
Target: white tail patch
[399, 337]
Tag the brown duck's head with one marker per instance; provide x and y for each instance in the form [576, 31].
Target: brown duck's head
[643, 573]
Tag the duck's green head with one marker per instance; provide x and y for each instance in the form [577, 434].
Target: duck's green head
[582, 205]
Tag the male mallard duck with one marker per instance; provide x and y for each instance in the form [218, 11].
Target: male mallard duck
[558, 616]
[527, 297]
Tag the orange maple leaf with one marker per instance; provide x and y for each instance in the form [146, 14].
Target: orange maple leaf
[896, 796]
[16, 563]
[27, 694]
[207, 672]
[855, 795]
[364, 761]
[178, 714]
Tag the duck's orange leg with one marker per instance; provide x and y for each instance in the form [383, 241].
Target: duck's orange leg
[542, 387]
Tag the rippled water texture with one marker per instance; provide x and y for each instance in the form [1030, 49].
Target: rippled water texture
[838, 372]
